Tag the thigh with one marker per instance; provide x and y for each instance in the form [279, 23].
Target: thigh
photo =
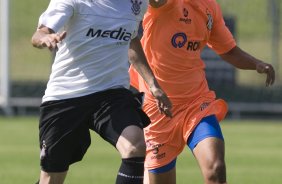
[119, 114]
[164, 137]
[209, 151]
[207, 142]
[168, 177]
[165, 174]
[64, 135]
[207, 127]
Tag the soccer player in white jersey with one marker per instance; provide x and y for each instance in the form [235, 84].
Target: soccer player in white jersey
[88, 85]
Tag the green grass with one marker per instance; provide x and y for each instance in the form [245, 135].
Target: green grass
[253, 155]
[27, 63]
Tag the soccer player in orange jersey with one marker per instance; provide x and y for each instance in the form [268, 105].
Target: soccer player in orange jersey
[175, 32]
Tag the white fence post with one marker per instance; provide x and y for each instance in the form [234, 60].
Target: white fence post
[5, 68]
[275, 18]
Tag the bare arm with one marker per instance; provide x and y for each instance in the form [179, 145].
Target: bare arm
[157, 3]
[45, 37]
[138, 60]
[242, 60]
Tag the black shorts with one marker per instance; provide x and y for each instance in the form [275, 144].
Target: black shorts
[64, 125]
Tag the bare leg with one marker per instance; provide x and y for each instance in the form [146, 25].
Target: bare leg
[131, 146]
[52, 178]
[163, 178]
[210, 156]
[146, 176]
[131, 143]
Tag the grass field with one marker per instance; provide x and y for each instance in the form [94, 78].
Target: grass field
[253, 155]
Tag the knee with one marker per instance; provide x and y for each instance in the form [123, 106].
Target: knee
[130, 149]
[217, 173]
[136, 150]
[131, 143]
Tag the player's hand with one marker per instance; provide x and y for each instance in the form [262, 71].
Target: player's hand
[163, 102]
[268, 70]
[50, 40]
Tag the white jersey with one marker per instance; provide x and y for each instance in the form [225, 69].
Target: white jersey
[94, 55]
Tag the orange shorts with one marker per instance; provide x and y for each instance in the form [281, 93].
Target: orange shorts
[166, 137]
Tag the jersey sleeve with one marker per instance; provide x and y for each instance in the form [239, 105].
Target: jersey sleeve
[221, 40]
[57, 14]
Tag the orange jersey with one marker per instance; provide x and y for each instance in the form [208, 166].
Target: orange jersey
[174, 36]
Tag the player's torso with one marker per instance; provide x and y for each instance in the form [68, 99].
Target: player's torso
[181, 30]
[105, 22]
[173, 42]
[93, 56]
